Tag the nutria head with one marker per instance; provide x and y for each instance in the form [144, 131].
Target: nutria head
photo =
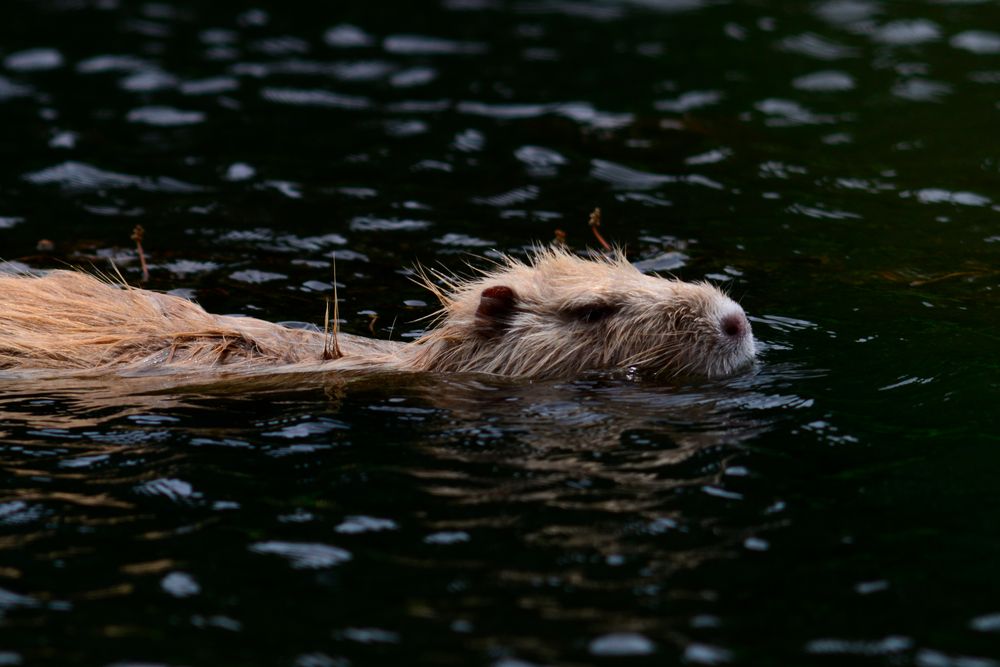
[561, 314]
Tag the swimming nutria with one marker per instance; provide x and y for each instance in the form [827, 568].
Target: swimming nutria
[555, 316]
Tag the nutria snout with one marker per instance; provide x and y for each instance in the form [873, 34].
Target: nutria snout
[556, 315]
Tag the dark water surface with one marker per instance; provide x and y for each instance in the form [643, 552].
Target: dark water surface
[834, 164]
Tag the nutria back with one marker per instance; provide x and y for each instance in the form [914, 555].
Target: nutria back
[68, 320]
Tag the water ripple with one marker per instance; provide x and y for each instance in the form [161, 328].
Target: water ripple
[176, 490]
[693, 99]
[211, 86]
[34, 60]
[789, 113]
[361, 70]
[510, 198]
[817, 46]
[886, 646]
[942, 196]
[907, 32]
[581, 112]
[354, 525]
[346, 36]
[9, 89]
[148, 81]
[373, 224]
[303, 555]
[626, 178]
[112, 63]
[825, 81]
[165, 116]
[981, 42]
[81, 177]
[315, 98]
[621, 644]
[423, 45]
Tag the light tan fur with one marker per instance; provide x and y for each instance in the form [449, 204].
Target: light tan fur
[71, 322]
[658, 325]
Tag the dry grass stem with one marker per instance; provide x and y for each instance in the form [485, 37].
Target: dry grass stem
[331, 348]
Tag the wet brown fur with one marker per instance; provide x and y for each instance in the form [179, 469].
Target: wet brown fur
[567, 315]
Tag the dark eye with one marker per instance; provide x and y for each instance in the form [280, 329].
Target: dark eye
[591, 312]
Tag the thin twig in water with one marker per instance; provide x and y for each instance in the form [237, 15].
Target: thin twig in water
[137, 233]
[595, 222]
[947, 276]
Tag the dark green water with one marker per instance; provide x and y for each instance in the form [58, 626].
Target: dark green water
[834, 164]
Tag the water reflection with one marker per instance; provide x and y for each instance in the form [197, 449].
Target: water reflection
[615, 468]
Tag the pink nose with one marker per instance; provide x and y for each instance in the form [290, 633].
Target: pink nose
[734, 325]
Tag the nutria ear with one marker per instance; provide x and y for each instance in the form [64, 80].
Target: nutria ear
[495, 305]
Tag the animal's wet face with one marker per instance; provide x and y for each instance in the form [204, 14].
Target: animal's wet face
[701, 332]
[565, 315]
[657, 326]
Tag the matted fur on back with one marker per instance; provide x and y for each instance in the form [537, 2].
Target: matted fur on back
[71, 320]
